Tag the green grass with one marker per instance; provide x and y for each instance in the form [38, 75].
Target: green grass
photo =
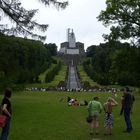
[46, 116]
[85, 77]
[43, 75]
[59, 77]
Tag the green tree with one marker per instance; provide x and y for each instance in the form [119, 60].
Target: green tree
[52, 48]
[124, 16]
[113, 63]
[23, 19]
[91, 50]
[125, 66]
[22, 60]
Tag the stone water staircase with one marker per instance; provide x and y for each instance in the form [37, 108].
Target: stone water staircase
[72, 81]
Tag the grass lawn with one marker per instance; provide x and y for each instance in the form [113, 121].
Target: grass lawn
[43, 75]
[85, 77]
[46, 116]
[59, 77]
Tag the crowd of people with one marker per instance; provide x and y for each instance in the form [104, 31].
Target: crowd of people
[95, 89]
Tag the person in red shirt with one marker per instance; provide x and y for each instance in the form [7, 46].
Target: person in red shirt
[7, 111]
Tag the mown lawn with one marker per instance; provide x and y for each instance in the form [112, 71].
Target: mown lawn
[59, 77]
[85, 77]
[46, 116]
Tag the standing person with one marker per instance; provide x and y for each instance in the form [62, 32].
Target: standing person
[122, 105]
[127, 107]
[7, 111]
[94, 109]
[109, 119]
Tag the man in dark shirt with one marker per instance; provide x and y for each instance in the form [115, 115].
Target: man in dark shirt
[127, 106]
[6, 110]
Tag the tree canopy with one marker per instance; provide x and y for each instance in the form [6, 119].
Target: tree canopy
[23, 19]
[23, 60]
[113, 63]
[124, 18]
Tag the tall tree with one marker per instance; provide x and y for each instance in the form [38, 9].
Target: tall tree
[52, 48]
[23, 18]
[124, 16]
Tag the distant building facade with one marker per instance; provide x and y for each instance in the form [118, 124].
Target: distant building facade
[71, 46]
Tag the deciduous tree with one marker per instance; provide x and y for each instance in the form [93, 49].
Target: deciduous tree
[124, 18]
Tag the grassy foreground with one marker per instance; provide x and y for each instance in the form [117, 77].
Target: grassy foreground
[46, 116]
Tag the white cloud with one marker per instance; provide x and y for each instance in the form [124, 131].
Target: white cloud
[79, 15]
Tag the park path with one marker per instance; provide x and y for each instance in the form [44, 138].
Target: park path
[73, 80]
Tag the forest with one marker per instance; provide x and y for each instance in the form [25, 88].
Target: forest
[22, 60]
[113, 63]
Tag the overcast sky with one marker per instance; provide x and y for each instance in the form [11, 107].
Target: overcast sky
[79, 15]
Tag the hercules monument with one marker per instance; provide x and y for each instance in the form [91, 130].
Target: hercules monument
[72, 53]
